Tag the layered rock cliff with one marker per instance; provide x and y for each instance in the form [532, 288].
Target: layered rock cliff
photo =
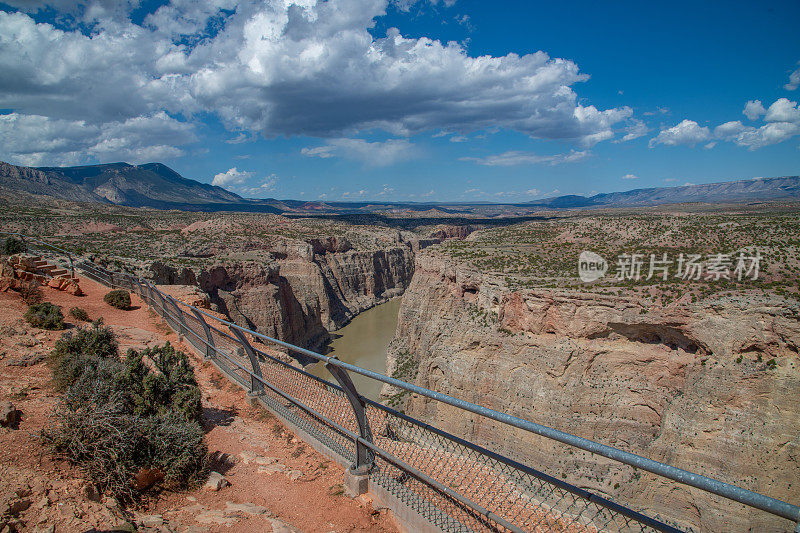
[710, 386]
[298, 291]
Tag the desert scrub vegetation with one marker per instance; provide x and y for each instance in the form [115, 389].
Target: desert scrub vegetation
[13, 246]
[75, 351]
[118, 298]
[78, 313]
[31, 292]
[406, 369]
[169, 385]
[45, 316]
[126, 420]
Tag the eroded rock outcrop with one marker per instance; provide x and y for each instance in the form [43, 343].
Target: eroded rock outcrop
[298, 291]
[710, 387]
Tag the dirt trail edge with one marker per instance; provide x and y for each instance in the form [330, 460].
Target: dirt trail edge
[276, 481]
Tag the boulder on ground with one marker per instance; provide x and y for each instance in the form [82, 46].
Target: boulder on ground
[146, 478]
[9, 415]
[215, 482]
[73, 288]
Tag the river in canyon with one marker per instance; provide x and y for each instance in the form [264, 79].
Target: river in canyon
[363, 342]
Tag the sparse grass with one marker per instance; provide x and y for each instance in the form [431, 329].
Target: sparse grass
[406, 369]
[31, 292]
[298, 452]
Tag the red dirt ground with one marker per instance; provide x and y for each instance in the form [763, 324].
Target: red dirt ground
[277, 482]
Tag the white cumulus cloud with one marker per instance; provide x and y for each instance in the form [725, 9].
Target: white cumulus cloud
[233, 176]
[794, 81]
[276, 68]
[686, 132]
[753, 109]
[377, 154]
[41, 140]
[781, 122]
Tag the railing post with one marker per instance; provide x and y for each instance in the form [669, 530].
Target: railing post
[210, 347]
[181, 319]
[147, 294]
[139, 287]
[256, 387]
[162, 303]
[365, 459]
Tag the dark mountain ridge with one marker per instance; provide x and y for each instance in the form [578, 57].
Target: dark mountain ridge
[148, 185]
[158, 186]
[729, 191]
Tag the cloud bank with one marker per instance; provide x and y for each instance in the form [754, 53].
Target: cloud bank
[781, 121]
[274, 68]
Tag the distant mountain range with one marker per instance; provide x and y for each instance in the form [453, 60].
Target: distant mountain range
[158, 186]
[758, 189]
[149, 185]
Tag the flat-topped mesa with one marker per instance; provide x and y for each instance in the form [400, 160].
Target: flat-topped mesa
[708, 386]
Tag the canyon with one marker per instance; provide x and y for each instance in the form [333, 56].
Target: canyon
[299, 298]
[708, 386]
[700, 375]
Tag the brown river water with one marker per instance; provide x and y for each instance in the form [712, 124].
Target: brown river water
[363, 342]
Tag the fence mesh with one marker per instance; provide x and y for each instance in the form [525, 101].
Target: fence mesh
[321, 410]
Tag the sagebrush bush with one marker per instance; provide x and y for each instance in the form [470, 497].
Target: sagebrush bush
[96, 341]
[78, 313]
[172, 387]
[45, 315]
[176, 447]
[80, 351]
[31, 292]
[119, 417]
[118, 298]
[103, 439]
[13, 246]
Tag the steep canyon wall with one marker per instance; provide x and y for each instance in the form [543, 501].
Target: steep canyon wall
[710, 387]
[297, 293]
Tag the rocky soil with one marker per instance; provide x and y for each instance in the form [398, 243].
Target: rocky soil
[708, 386]
[268, 479]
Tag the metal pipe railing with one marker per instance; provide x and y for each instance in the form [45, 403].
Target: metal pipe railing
[728, 491]
[720, 488]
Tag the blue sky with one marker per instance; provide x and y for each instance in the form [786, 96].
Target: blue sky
[406, 100]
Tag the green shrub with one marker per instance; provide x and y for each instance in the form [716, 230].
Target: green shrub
[97, 341]
[118, 417]
[103, 439]
[31, 292]
[171, 388]
[79, 313]
[78, 351]
[98, 381]
[118, 298]
[45, 315]
[175, 446]
[13, 246]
